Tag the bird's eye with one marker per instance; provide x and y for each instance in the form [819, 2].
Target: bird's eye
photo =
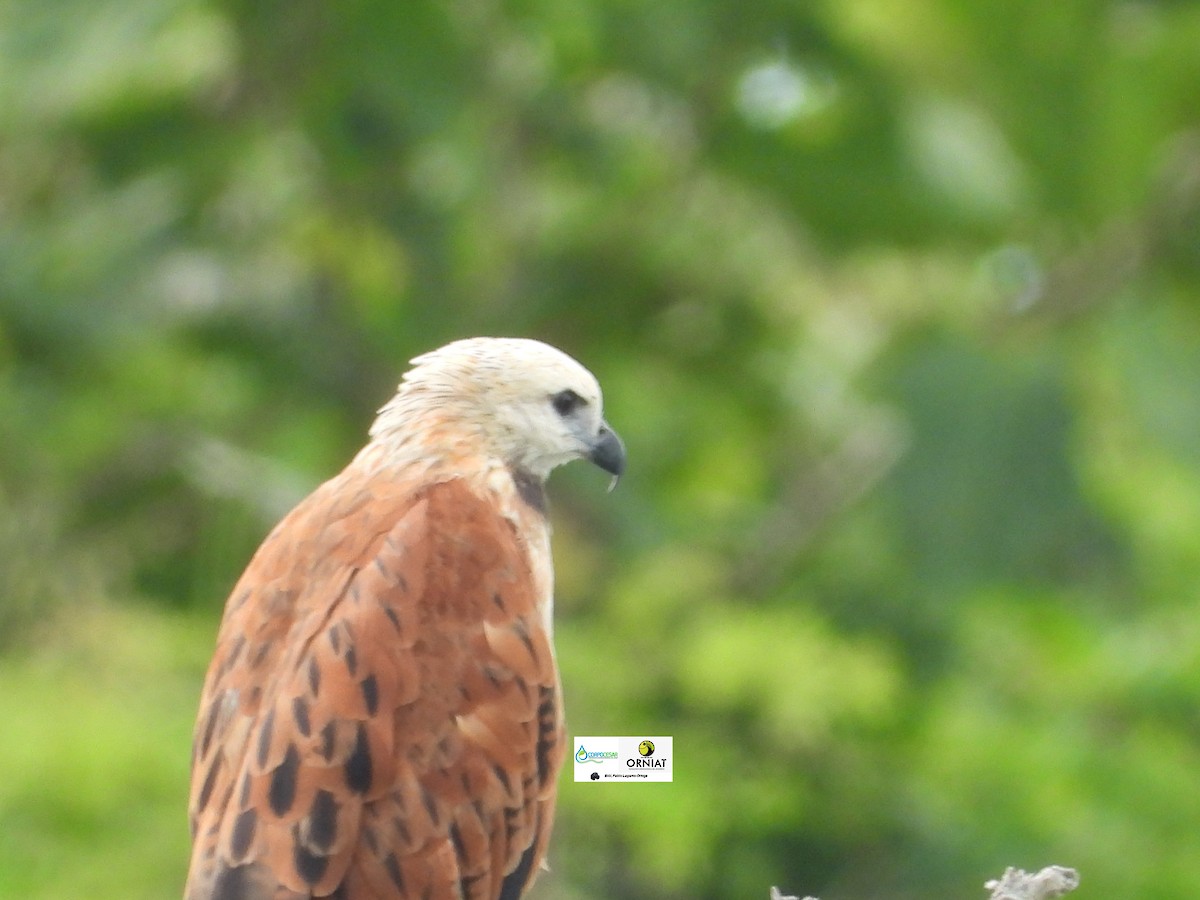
[566, 402]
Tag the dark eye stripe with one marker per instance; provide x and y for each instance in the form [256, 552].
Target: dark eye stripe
[566, 402]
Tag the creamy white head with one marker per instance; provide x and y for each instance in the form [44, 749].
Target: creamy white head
[516, 400]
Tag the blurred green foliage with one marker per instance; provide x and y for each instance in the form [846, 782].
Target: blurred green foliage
[896, 304]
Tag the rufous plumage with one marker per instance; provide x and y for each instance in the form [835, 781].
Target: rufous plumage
[382, 718]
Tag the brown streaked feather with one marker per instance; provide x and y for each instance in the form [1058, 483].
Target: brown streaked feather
[382, 717]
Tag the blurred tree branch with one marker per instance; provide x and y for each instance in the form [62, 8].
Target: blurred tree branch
[1015, 884]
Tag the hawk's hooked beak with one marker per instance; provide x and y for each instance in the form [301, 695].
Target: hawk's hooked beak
[608, 452]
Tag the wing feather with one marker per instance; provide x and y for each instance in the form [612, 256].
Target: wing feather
[382, 716]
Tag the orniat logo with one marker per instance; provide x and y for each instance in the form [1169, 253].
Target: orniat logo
[628, 758]
[646, 750]
[583, 755]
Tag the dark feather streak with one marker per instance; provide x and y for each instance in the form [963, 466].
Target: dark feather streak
[522, 631]
[514, 884]
[547, 733]
[264, 738]
[231, 883]
[502, 775]
[370, 691]
[314, 676]
[207, 788]
[213, 709]
[282, 792]
[431, 806]
[371, 840]
[393, 869]
[243, 835]
[358, 766]
[300, 714]
[328, 733]
[309, 866]
[402, 829]
[322, 820]
[456, 839]
[260, 654]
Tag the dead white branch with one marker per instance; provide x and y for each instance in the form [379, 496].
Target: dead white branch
[1016, 884]
[1052, 881]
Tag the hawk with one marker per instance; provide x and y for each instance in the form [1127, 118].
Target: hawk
[382, 717]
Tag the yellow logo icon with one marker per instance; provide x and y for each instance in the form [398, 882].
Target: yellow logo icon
[646, 748]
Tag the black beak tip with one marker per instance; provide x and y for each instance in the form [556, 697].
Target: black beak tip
[609, 452]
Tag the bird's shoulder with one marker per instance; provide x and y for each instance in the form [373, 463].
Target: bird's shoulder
[328, 543]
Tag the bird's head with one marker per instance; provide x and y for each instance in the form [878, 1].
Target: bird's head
[521, 401]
